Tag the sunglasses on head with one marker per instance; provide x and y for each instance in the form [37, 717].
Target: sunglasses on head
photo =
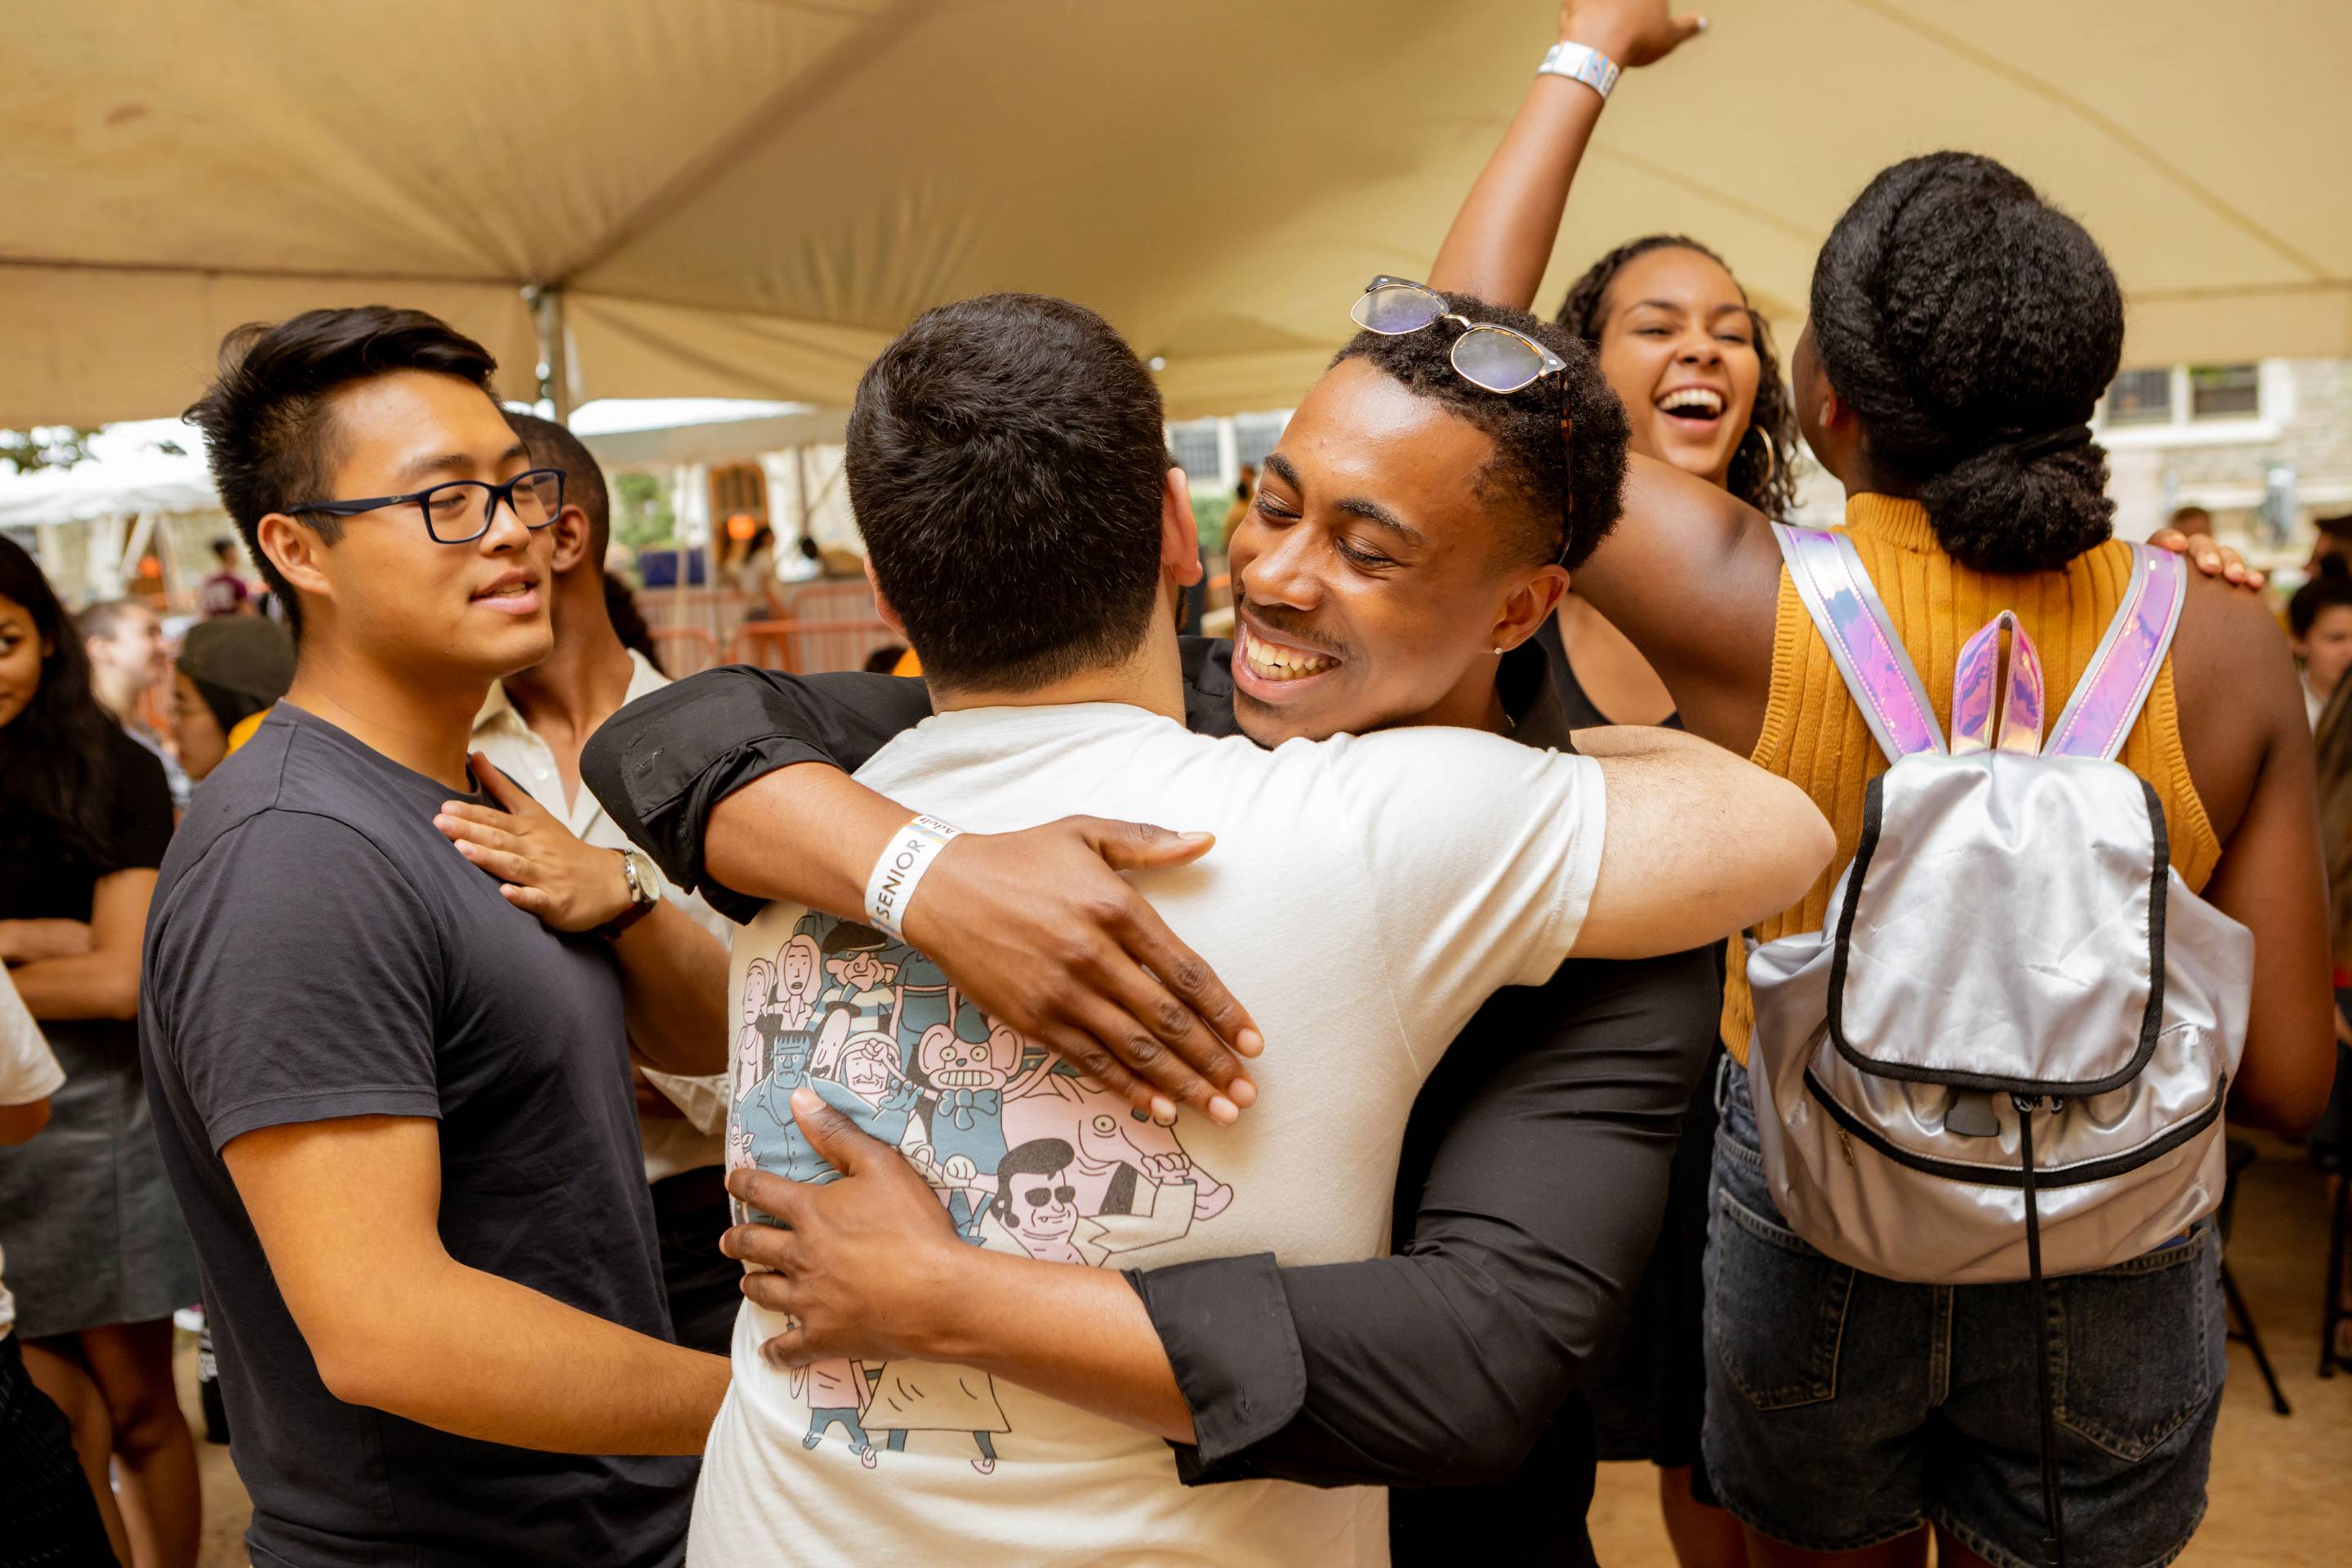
[1488, 355]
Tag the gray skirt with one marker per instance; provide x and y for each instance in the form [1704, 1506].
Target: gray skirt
[91, 1231]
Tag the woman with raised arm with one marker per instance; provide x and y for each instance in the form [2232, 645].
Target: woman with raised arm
[98, 1258]
[1674, 333]
[1962, 331]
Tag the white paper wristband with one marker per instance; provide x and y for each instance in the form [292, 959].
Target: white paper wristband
[1581, 62]
[891, 887]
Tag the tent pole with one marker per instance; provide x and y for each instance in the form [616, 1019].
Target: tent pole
[801, 489]
[548, 315]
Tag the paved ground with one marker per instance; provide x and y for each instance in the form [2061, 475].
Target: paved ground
[2279, 1493]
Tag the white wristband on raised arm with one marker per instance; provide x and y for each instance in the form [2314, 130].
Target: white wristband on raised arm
[1581, 62]
[891, 887]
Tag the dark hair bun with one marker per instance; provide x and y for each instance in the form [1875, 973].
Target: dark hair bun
[1996, 510]
[1972, 328]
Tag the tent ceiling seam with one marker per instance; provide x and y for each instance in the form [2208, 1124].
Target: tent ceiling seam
[2144, 152]
[788, 103]
[318, 275]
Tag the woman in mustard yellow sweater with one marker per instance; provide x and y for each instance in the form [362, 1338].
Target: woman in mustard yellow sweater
[1962, 331]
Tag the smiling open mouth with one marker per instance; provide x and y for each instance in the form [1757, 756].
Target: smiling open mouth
[956, 1079]
[1695, 405]
[1273, 662]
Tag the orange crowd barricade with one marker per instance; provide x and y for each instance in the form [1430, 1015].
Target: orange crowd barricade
[809, 648]
[683, 650]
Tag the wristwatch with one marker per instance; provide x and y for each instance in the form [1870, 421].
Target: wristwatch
[645, 892]
[1581, 62]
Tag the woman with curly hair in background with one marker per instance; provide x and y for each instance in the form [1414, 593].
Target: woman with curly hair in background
[1693, 363]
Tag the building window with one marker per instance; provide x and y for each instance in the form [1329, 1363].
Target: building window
[739, 490]
[1195, 447]
[2225, 391]
[1256, 435]
[2141, 398]
[2198, 403]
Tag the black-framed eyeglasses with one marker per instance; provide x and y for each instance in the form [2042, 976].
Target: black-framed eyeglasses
[460, 511]
[1488, 355]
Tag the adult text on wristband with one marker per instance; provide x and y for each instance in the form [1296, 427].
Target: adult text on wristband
[909, 854]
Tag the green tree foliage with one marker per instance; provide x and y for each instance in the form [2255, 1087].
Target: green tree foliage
[641, 512]
[45, 446]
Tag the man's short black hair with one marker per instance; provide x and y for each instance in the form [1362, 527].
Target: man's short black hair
[267, 433]
[1006, 459]
[2330, 590]
[1533, 475]
[553, 445]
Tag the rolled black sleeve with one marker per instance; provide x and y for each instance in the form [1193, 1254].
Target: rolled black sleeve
[662, 762]
[1533, 1178]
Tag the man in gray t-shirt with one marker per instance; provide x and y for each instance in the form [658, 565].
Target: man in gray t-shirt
[389, 979]
[390, 1071]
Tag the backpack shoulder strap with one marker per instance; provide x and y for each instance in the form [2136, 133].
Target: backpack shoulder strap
[1828, 577]
[2108, 698]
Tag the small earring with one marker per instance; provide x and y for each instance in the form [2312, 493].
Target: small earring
[1498, 653]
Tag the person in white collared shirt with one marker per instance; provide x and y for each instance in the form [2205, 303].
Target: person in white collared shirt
[531, 728]
[2319, 621]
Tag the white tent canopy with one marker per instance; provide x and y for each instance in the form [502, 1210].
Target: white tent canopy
[744, 197]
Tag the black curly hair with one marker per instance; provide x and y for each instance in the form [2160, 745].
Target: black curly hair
[1763, 470]
[1972, 328]
[1565, 498]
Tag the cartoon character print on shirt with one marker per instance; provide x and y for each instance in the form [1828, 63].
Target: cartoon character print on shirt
[968, 1081]
[751, 1041]
[1027, 1156]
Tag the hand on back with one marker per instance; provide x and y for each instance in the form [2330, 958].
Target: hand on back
[1039, 929]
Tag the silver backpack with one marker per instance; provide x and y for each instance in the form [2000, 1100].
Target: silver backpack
[2015, 1029]
[2004, 1054]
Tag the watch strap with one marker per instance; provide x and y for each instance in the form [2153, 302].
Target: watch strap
[642, 898]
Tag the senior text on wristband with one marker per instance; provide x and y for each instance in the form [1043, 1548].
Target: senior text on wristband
[908, 855]
[1581, 62]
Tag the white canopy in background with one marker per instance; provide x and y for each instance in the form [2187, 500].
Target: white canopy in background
[744, 197]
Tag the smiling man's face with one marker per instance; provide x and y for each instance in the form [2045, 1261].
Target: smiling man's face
[1367, 586]
[433, 612]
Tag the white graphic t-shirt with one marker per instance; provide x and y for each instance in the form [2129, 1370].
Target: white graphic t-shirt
[1365, 895]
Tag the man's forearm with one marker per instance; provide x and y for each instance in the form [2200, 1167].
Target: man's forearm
[674, 992]
[469, 1352]
[808, 833]
[1073, 1333]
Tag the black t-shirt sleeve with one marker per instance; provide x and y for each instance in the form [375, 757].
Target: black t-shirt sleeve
[140, 821]
[295, 980]
[662, 762]
[1529, 1196]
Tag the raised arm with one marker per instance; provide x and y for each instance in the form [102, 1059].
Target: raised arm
[1502, 240]
[348, 1210]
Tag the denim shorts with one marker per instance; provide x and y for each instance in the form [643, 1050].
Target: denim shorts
[1843, 1410]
